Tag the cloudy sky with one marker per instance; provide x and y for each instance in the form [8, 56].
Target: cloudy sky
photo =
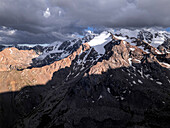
[46, 21]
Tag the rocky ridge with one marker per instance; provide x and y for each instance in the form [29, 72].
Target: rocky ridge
[16, 79]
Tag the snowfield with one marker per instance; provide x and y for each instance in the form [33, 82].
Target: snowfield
[100, 41]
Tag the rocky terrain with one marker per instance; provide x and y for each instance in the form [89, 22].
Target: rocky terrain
[13, 80]
[114, 79]
[13, 59]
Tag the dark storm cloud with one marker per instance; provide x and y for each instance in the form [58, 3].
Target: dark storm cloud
[118, 13]
[49, 20]
[11, 36]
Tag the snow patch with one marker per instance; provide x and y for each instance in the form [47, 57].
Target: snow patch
[151, 78]
[10, 51]
[134, 82]
[130, 61]
[138, 60]
[76, 75]
[159, 83]
[100, 97]
[141, 73]
[122, 98]
[108, 89]
[140, 81]
[124, 42]
[147, 76]
[120, 37]
[1, 58]
[132, 49]
[55, 47]
[100, 41]
[85, 57]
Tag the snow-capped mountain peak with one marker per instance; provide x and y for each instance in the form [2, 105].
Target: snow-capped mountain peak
[146, 39]
[153, 36]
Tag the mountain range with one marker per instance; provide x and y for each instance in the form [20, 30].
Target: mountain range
[118, 78]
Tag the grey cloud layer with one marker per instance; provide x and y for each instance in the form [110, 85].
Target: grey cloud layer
[69, 16]
[118, 13]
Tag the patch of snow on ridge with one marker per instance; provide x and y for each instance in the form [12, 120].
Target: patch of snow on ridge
[120, 37]
[158, 41]
[132, 49]
[32, 45]
[108, 89]
[10, 51]
[130, 61]
[100, 41]
[55, 46]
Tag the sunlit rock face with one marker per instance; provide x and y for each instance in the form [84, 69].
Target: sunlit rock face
[12, 58]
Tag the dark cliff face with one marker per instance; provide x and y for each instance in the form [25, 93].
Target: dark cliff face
[108, 100]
